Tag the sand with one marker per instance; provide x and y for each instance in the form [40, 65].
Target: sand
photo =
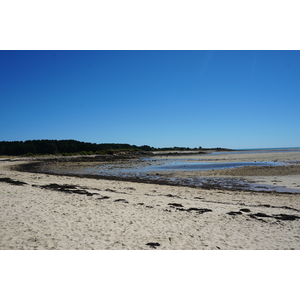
[287, 176]
[40, 211]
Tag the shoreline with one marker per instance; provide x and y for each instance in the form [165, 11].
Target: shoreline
[165, 175]
[283, 178]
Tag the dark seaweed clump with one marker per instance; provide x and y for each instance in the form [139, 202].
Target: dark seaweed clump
[67, 188]
[179, 206]
[258, 216]
[153, 245]
[11, 181]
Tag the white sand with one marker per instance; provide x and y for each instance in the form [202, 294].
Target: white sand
[32, 217]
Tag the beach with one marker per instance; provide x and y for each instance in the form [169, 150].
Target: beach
[55, 212]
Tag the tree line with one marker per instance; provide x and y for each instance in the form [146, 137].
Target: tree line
[73, 147]
[66, 147]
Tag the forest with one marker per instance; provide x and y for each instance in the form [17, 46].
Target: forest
[71, 147]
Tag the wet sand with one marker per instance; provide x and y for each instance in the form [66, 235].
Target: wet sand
[286, 176]
[43, 211]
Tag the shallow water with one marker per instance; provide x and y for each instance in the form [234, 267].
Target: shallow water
[140, 169]
[192, 166]
[152, 165]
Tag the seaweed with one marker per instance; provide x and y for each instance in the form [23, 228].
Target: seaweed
[11, 181]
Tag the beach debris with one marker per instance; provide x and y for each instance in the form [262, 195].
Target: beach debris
[198, 210]
[233, 213]
[261, 215]
[245, 210]
[102, 198]
[285, 217]
[170, 195]
[67, 188]
[271, 206]
[175, 204]
[254, 217]
[286, 207]
[109, 190]
[121, 200]
[153, 245]
[181, 209]
[11, 181]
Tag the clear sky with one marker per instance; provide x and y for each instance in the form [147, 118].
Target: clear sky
[234, 99]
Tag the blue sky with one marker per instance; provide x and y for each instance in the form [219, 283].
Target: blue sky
[234, 99]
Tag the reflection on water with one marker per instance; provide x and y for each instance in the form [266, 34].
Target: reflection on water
[179, 166]
[145, 166]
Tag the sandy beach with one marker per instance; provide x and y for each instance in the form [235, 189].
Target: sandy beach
[43, 211]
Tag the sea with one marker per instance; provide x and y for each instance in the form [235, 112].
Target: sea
[259, 150]
[271, 149]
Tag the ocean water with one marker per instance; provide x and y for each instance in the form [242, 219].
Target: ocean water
[259, 150]
[271, 149]
[286, 149]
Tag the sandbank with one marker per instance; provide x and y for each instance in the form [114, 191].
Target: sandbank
[286, 175]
